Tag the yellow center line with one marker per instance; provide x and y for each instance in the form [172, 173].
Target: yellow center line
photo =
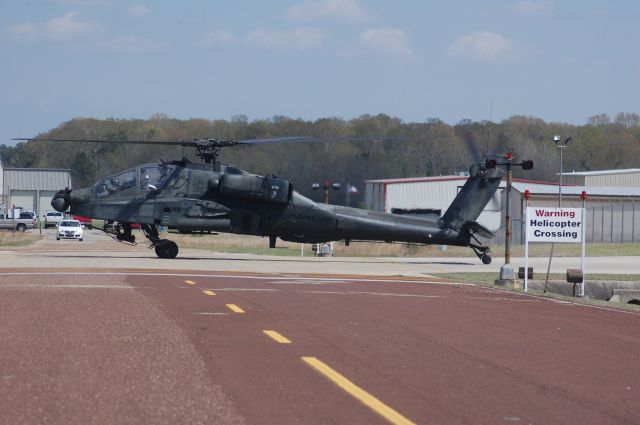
[235, 308]
[357, 392]
[189, 282]
[209, 292]
[277, 337]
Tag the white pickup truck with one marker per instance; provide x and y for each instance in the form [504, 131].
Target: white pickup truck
[52, 218]
[26, 220]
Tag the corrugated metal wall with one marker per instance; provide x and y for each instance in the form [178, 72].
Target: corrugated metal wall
[435, 194]
[374, 196]
[610, 180]
[607, 220]
[429, 194]
[32, 189]
[572, 179]
[603, 180]
[36, 179]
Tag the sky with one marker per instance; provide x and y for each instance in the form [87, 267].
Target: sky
[562, 61]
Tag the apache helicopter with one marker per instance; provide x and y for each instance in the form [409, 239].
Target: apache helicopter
[193, 197]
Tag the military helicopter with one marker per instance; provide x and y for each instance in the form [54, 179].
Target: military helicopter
[211, 197]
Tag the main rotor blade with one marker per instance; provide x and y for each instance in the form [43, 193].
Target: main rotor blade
[273, 140]
[473, 150]
[215, 142]
[148, 142]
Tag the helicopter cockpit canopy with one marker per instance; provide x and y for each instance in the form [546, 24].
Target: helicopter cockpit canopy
[149, 176]
[155, 176]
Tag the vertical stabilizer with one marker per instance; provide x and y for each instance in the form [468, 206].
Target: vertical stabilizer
[473, 197]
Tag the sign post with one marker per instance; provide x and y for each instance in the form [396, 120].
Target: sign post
[527, 195]
[563, 225]
[584, 239]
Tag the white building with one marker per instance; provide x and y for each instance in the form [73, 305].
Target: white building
[31, 188]
[613, 212]
[629, 177]
[435, 193]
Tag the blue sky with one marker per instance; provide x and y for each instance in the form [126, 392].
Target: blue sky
[557, 60]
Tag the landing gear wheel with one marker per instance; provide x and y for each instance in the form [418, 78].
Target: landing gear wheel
[483, 253]
[167, 249]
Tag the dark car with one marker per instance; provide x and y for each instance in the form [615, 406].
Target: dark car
[113, 225]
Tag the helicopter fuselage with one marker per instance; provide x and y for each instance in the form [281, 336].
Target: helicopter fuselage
[190, 197]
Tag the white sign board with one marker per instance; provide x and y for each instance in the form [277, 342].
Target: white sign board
[554, 224]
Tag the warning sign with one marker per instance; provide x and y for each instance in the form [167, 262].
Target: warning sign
[554, 224]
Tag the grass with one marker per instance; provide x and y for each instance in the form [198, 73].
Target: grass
[237, 244]
[12, 239]
[487, 279]
[256, 245]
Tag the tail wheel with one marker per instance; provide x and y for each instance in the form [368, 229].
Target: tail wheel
[166, 249]
[483, 253]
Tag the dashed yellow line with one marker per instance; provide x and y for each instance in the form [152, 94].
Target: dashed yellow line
[209, 293]
[235, 308]
[189, 282]
[277, 337]
[358, 393]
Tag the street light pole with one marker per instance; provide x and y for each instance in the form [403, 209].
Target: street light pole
[560, 185]
[560, 146]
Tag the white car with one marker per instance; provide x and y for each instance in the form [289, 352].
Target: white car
[70, 229]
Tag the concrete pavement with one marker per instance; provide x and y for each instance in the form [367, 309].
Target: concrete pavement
[99, 251]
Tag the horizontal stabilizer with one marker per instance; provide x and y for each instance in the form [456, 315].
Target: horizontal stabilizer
[475, 228]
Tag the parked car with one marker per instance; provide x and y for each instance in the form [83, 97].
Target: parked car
[70, 229]
[52, 218]
[24, 221]
[88, 222]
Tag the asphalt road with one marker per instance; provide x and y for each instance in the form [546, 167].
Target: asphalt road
[86, 344]
[149, 348]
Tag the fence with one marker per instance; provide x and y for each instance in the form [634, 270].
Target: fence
[607, 223]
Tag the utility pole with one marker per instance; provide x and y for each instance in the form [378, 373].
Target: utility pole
[325, 185]
[325, 199]
[507, 273]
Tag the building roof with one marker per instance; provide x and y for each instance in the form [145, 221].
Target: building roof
[418, 179]
[546, 189]
[603, 172]
[448, 178]
[38, 169]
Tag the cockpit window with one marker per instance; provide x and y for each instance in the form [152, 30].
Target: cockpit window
[155, 176]
[116, 183]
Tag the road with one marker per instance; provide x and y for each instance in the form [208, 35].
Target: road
[88, 344]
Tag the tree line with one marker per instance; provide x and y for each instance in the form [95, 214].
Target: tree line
[412, 149]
